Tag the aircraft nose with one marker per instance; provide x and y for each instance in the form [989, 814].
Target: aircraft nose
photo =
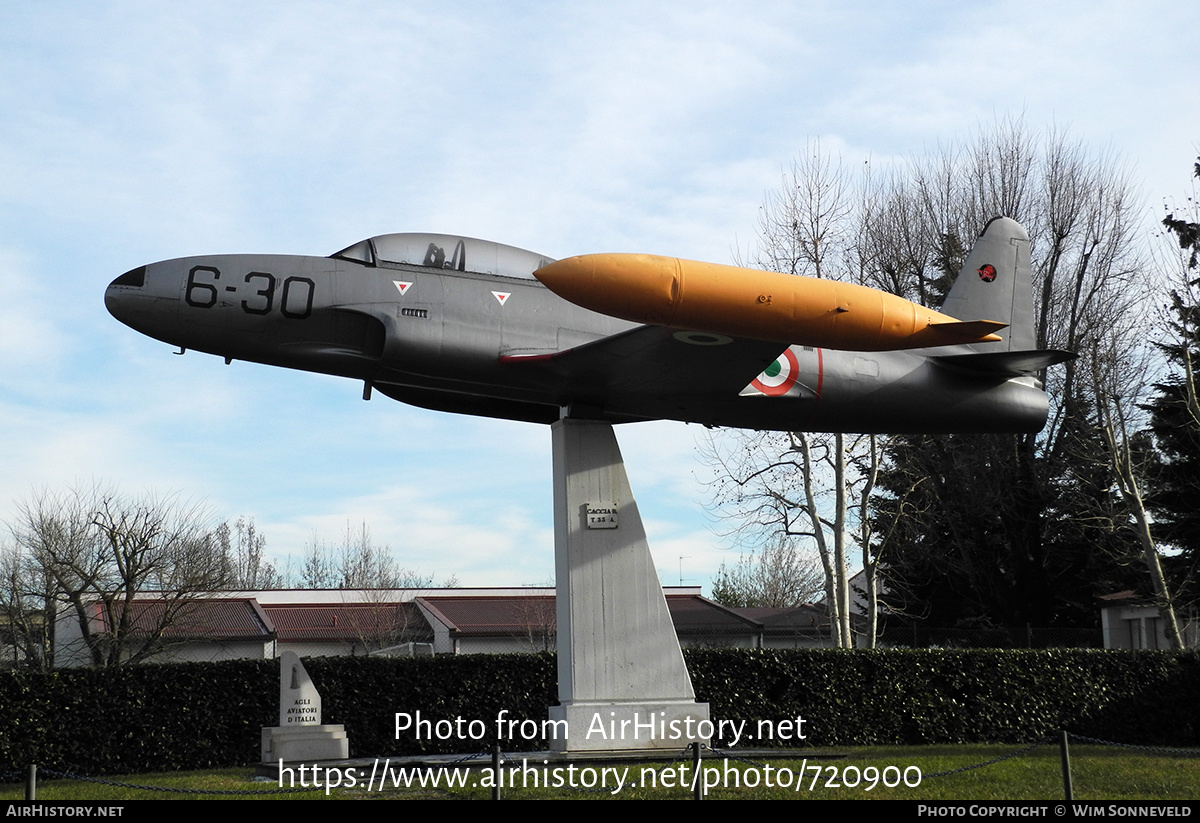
[131, 282]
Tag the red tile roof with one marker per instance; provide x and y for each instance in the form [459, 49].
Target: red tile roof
[197, 618]
[347, 621]
[493, 616]
[694, 613]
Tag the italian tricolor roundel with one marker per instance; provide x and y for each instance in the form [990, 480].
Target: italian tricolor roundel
[778, 377]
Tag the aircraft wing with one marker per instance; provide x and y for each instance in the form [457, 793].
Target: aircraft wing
[658, 360]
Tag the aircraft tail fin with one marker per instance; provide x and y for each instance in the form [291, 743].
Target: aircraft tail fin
[995, 284]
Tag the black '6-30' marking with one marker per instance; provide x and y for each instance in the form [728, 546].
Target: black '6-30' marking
[296, 300]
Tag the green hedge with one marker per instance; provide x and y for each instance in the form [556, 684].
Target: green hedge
[184, 716]
[913, 697]
[138, 718]
[365, 693]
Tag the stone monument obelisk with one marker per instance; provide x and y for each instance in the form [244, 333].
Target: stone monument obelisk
[300, 736]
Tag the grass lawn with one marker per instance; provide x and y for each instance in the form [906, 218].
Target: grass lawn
[1099, 773]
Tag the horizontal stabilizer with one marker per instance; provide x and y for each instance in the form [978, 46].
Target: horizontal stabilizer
[1007, 363]
[967, 331]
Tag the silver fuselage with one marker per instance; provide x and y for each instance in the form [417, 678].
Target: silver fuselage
[505, 346]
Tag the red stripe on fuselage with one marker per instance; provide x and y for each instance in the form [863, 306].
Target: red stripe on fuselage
[820, 372]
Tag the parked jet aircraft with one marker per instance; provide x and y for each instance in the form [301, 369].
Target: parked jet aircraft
[463, 325]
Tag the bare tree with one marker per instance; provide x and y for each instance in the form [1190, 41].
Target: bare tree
[27, 610]
[1118, 377]
[243, 549]
[124, 569]
[868, 465]
[538, 617]
[792, 492]
[317, 570]
[777, 576]
[61, 555]
[152, 545]
[365, 564]
[803, 227]
[358, 562]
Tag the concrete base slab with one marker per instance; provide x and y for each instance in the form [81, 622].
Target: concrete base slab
[328, 742]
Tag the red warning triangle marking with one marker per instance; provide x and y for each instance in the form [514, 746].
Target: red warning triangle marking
[501, 296]
[402, 286]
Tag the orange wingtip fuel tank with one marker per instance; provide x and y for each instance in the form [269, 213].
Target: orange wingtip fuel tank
[761, 305]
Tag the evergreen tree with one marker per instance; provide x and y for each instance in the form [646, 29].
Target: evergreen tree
[1175, 486]
[1175, 419]
[992, 533]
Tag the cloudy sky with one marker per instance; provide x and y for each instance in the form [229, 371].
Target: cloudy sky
[138, 131]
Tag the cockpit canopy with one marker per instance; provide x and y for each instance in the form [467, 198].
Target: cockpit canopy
[446, 251]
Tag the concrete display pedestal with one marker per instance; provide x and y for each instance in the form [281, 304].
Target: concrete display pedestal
[622, 683]
[304, 745]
